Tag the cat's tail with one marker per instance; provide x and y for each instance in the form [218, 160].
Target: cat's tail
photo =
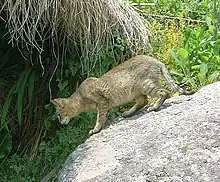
[172, 84]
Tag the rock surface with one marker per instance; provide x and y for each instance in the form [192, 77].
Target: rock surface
[179, 143]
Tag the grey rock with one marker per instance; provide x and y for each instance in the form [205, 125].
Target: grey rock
[179, 143]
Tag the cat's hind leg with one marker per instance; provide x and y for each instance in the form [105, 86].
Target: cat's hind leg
[154, 89]
[141, 101]
[163, 95]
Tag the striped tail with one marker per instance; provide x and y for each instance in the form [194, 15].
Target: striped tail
[172, 84]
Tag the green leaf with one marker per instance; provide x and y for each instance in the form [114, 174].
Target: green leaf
[6, 107]
[216, 48]
[202, 74]
[212, 42]
[21, 93]
[208, 21]
[211, 28]
[197, 33]
[183, 53]
[19, 81]
[31, 81]
[176, 72]
[203, 68]
[174, 55]
[5, 143]
[196, 67]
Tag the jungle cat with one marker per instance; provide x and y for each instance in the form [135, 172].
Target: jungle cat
[134, 79]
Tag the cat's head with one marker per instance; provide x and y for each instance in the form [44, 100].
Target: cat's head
[64, 109]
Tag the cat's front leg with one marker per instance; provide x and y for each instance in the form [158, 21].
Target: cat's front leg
[102, 112]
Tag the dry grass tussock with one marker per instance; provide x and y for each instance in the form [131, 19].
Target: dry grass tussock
[82, 27]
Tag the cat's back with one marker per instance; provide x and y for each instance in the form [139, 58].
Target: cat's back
[130, 68]
[89, 85]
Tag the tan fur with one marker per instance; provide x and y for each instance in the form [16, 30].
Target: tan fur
[134, 79]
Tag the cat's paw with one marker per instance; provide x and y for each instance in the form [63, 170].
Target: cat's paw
[150, 109]
[126, 114]
[93, 131]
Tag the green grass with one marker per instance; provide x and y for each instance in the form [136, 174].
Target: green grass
[50, 155]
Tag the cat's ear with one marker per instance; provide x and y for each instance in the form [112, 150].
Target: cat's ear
[57, 102]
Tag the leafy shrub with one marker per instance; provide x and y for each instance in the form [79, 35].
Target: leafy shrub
[196, 9]
[165, 36]
[197, 61]
[50, 155]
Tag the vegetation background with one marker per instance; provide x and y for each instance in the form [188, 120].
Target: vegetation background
[185, 35]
